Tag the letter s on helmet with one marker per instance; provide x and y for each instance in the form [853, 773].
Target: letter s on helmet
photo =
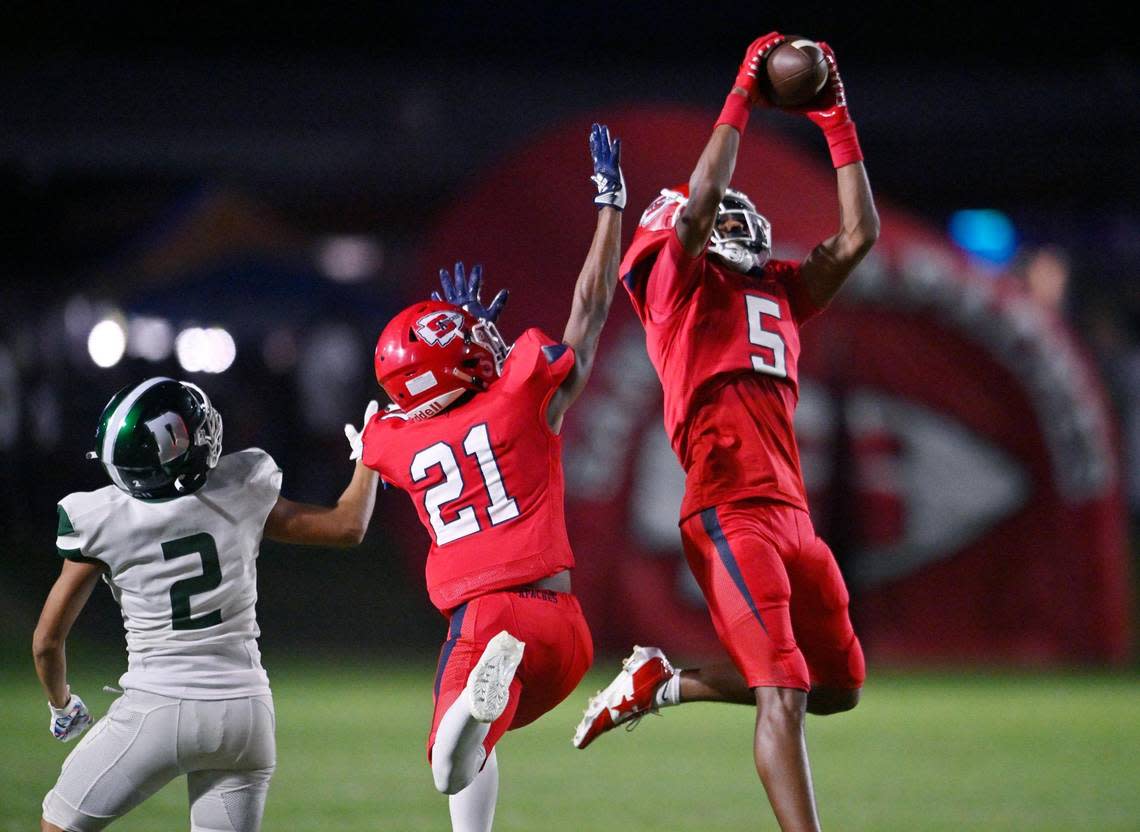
[431, 353]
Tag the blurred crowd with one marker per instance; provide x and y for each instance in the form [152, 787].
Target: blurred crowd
[1105, 313]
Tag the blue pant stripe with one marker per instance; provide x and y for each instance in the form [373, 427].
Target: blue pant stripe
[716, 534]
[453, 632]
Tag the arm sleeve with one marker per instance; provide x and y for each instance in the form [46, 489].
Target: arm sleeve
[672, 279]
[71, 542]
[375, 441]
[537, 364]
[266, 475]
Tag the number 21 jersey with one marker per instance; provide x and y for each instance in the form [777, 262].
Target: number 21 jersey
[486, 478]
[725, 346]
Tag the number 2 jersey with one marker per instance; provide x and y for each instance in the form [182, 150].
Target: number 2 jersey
[725, 346]
[184, 572]
[486, 478]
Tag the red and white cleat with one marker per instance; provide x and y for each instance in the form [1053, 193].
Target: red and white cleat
[628, 697]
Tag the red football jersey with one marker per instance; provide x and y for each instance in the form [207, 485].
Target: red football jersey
[725, 346]
[485, 477]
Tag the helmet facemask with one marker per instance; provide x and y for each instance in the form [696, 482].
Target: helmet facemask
[486, 334]
[208, 434]
[746, 247]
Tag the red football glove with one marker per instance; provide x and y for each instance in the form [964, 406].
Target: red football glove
[736, 106]
[829, 112]
[753, 65]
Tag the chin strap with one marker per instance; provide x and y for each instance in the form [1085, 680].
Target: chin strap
[741, 259]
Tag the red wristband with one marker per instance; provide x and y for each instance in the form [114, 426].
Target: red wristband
[734, 112]
[843, 144]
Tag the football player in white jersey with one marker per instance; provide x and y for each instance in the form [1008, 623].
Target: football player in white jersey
[176, 538]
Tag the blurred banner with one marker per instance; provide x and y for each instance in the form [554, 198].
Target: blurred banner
[956, 443]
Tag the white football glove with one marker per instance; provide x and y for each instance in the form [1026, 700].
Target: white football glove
[356, 437]
[71, 720]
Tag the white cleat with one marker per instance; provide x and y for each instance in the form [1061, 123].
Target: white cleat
[489, 685]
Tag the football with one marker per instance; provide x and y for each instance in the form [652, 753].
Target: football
[796, 70]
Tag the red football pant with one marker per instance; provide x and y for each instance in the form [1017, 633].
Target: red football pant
[775, 594]
[559, 651]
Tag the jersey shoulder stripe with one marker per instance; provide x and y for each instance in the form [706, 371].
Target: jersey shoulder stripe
[78, 514]
[66, 530]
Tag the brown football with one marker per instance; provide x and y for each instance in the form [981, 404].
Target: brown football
[797, 71]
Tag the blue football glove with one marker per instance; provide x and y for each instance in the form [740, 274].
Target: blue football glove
[71, 720]
[464, 292]
[607, 168]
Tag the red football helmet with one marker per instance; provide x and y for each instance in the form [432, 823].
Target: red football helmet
[746, 247]
[431, 353]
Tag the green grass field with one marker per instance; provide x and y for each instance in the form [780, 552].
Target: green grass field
[923, 752]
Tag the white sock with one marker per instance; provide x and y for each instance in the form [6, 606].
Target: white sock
[458, 749]
[473, 809]
[670, 692]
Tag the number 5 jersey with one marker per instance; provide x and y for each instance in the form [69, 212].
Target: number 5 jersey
[183, 570]
[725, 346]
[485, 476]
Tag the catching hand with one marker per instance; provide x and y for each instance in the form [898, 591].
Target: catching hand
[71, 720]
[356, 437]
[464, 292]
[747, 77]
[829, 107]
[607, 168]
[828, 111]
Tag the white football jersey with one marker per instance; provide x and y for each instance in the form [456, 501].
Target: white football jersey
[184, 572]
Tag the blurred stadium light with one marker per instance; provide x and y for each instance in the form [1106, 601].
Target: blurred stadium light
[149, 338]
[107, 343]
[985, 233]
[209, 350]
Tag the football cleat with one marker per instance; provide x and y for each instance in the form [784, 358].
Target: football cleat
[489, 684]
[627, 698]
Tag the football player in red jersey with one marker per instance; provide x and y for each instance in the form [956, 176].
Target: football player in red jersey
[472, 435]
[722, 328]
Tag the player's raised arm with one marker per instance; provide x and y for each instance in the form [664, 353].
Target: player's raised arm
[69, 594]
[713, 173]
[341, 525]
[594, 291]
[827, 266]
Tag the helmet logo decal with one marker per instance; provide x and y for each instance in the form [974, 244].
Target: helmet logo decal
[440, 328]
[171, 435]
[662, 212]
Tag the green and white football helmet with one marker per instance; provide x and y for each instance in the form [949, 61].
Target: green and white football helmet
[159, 439]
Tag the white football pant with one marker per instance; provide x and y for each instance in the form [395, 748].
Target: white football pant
[225, 747]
